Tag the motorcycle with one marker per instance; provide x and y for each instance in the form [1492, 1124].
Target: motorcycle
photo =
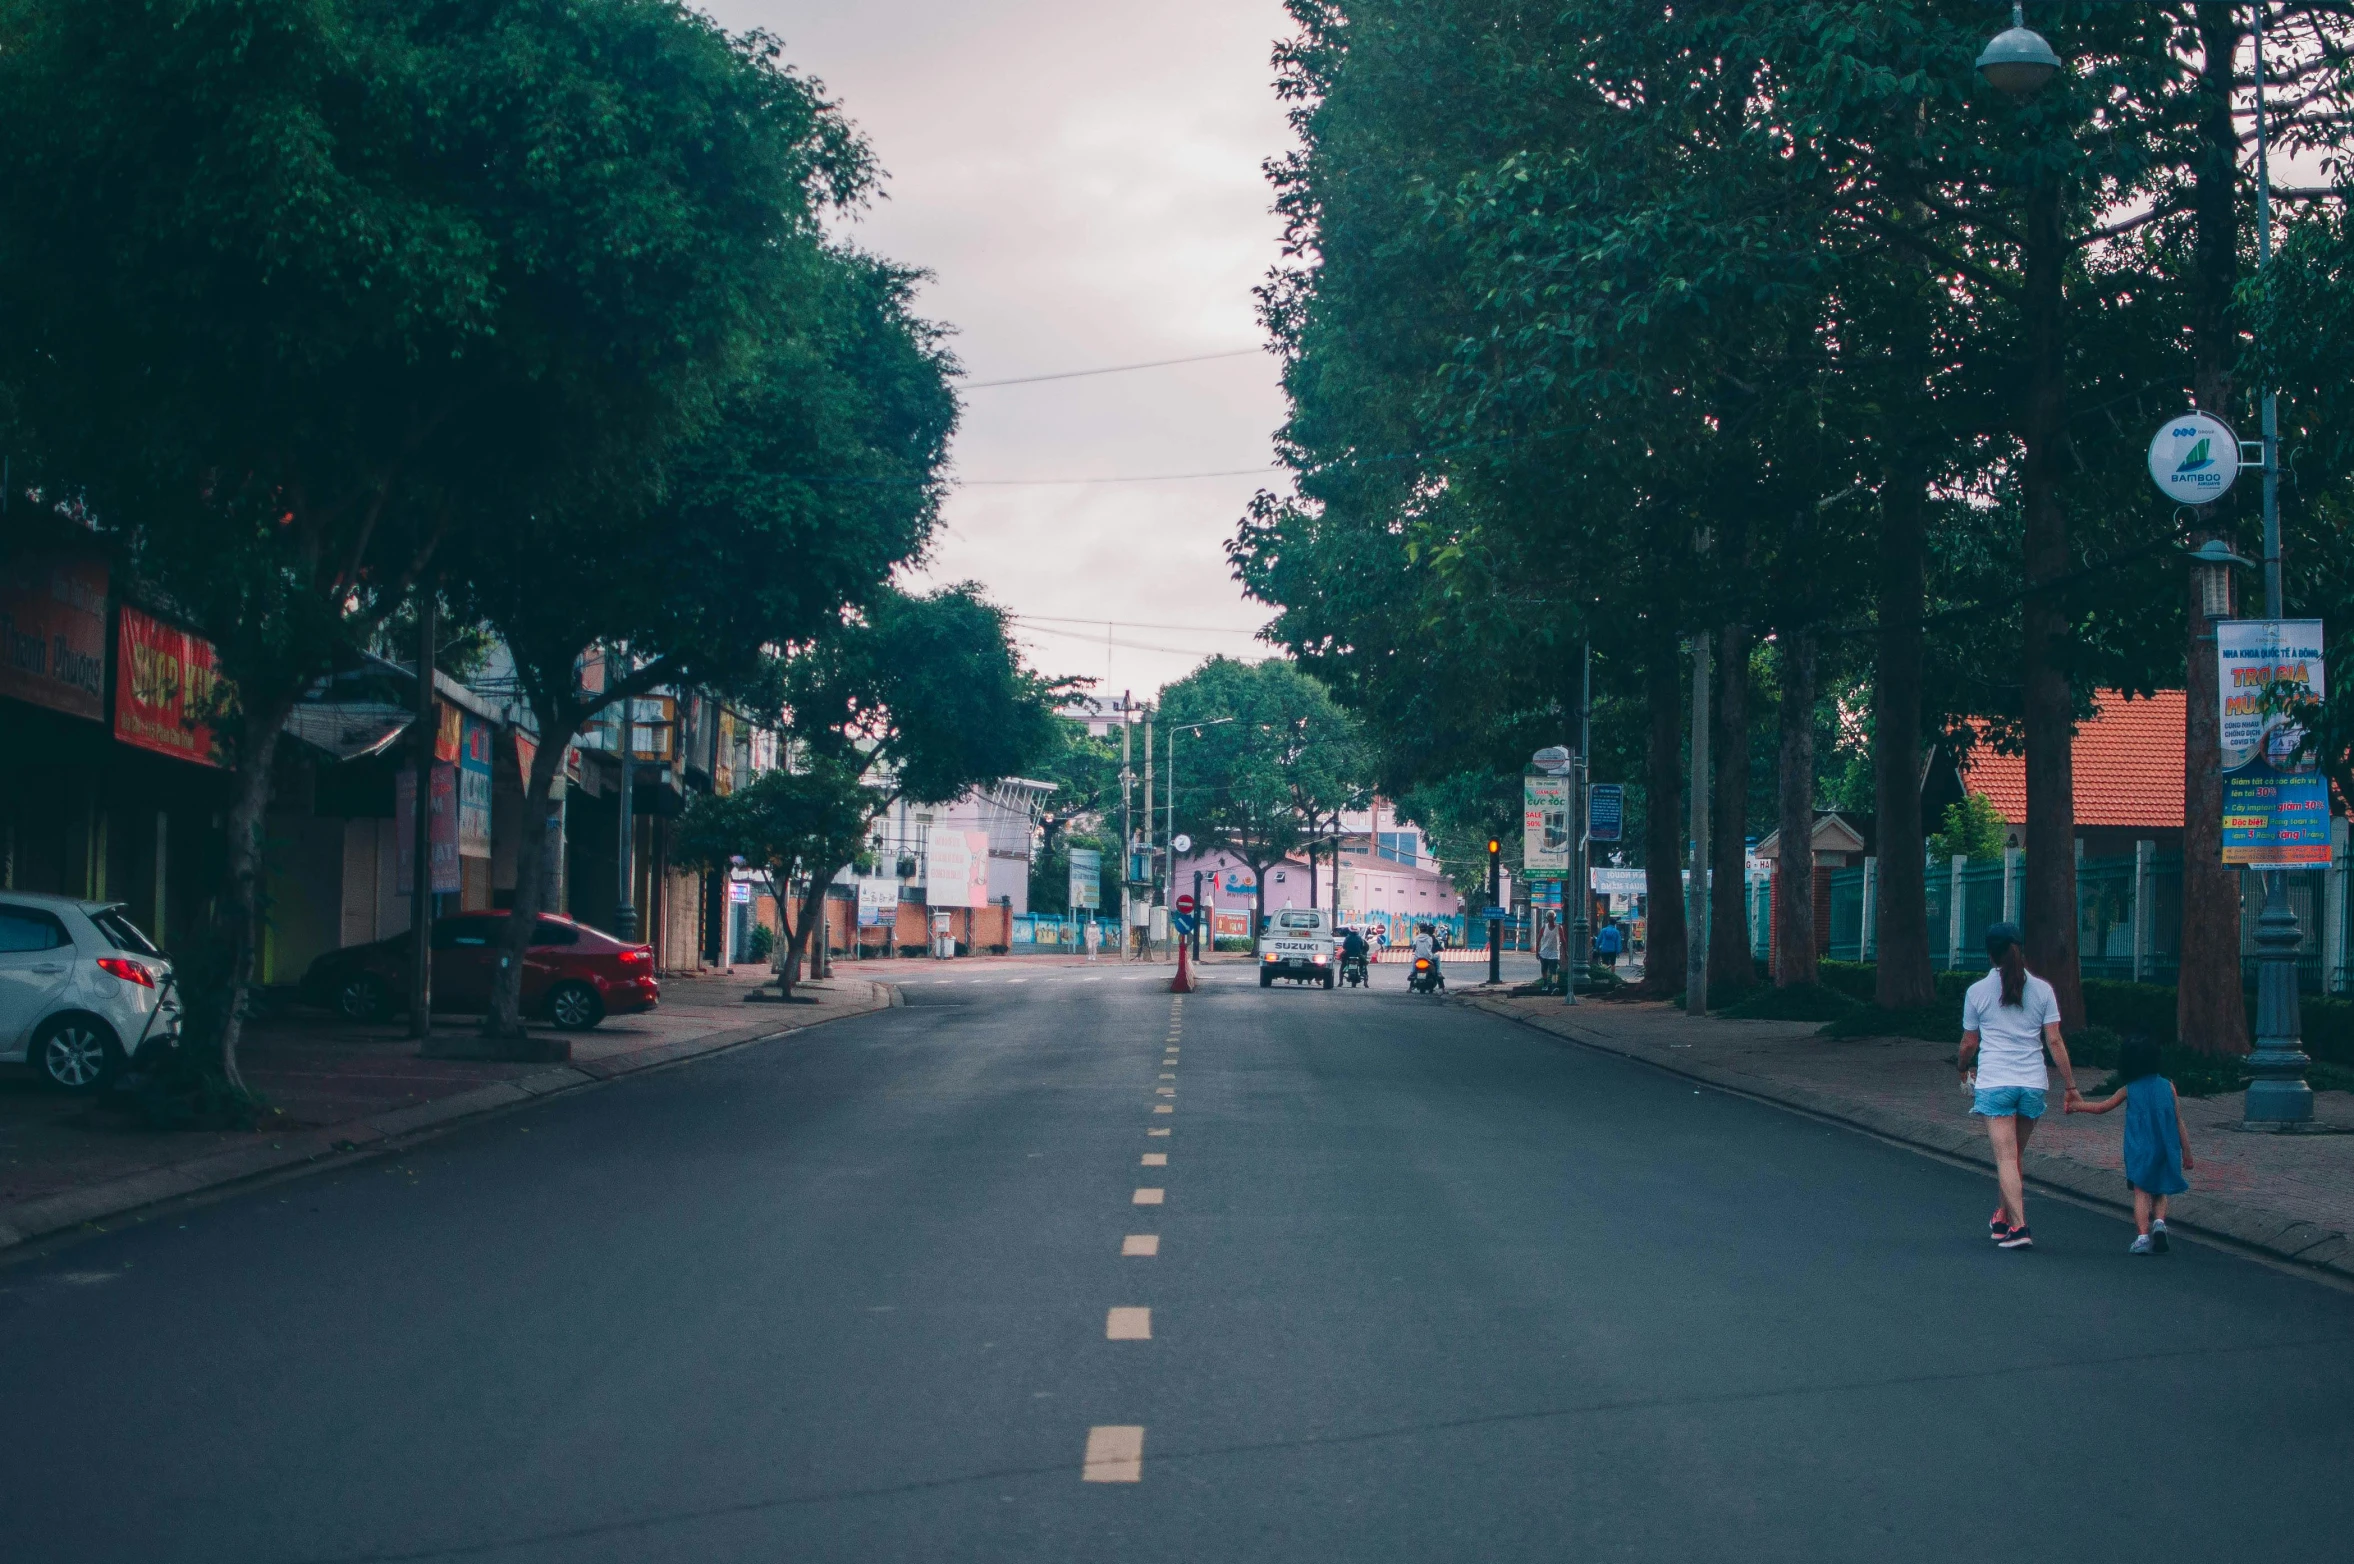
[1425, 977]
[1352, 971]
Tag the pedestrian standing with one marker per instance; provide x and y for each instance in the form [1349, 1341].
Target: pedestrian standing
[1607, 944]
[1092, 937]
[2009, 1018]
[2156, 1149]
[1548, 949]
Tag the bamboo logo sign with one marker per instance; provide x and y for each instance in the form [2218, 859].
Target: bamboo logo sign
[2194, 458]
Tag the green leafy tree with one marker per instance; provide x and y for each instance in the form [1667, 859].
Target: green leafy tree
[1972, 830]
[799, 828]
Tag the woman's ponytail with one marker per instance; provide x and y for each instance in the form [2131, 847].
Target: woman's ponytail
[2003, 947]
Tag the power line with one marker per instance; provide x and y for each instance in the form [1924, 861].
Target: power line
[1109, 369]
[1127, 624]
[1164, 477]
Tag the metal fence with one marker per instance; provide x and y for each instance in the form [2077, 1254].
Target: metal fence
[2128, 916]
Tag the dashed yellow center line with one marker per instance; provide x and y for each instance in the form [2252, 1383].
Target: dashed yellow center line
[1156, 1132]
[1156, 1159]
[1115, 1454]
[1127, 1325]
[1163, 1107]
[1147, 1244]
[1148, 1197]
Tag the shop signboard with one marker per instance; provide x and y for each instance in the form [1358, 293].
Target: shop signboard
[1086, 879]
[53, 632]
[443, 821]
[449, 733]
[474, 789]
[167, 688]
[1544, 827]
[2275, 803]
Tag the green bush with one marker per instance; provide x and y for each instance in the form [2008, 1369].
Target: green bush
[1804, 1002]
[760, 944]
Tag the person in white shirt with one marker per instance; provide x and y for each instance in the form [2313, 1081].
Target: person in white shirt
[1548, 949]
[2009, 1017]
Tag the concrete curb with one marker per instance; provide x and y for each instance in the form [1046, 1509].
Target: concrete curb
[2230, 1221]
[26, 1220]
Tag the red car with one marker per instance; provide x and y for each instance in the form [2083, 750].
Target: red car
[573, 975]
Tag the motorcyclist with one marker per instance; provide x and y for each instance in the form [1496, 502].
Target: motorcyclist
[1353, 950]
[1426, 945]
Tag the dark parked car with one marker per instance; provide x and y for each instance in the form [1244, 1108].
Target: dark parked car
[573, 975]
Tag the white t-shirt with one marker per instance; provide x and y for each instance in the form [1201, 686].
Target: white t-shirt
[2010, 1041]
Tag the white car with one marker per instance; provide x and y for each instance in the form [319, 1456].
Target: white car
[81, 989]
[1297, 946]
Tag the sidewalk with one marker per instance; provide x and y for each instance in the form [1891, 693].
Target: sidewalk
[334, 1089]
[2287, 1195]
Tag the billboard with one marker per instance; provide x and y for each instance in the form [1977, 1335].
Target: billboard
[1544, 827]
[956, 868]
[166, 689]
[1086, 879]
[2275, 804]
[53, 632]
[1606, 812]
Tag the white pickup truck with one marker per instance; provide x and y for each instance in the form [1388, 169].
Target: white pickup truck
[1297, 944]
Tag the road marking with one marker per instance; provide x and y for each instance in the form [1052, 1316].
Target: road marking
[1167, 1077]
[1156, 1159]
[1141, 1243]
[1115, 1454]
[1162, 1107]
[1148, 1197]
[1128, 1325]
[1166, 1091]
[1017, 980]
[1156, 1132]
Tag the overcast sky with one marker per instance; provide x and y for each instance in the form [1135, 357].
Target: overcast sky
[1082, 178]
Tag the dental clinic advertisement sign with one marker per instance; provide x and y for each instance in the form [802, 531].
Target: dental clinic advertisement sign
[2275, 805]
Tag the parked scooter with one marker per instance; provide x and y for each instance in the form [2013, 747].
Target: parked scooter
[1424, 979]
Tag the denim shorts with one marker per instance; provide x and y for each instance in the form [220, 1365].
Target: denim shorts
[2003, 1102]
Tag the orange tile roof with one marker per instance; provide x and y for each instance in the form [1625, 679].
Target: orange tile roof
[2128, 765]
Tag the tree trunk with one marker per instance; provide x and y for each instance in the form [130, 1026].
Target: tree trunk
[2048, 902]
[1904, 980]
[505, 1019]
[1664, 941]
[239, 915]
[788, 967]
[2210, 1011]
[1731, 967]
[1795, 956]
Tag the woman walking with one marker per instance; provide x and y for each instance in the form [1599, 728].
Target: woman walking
[1548, 951]
[2009, 1018]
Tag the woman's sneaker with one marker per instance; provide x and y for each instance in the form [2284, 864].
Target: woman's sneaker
[2016, 1238]
[2142, 1244]
[1998, 1226]
[2158, 1236]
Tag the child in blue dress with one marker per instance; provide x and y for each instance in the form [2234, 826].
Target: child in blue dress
[2156, 1150]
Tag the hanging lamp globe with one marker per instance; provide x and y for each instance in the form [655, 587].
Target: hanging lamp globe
[2018, 62]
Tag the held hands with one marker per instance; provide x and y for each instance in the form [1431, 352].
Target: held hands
[2073, 1102]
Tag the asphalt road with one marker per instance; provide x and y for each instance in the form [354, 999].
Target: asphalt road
[1428, 1286]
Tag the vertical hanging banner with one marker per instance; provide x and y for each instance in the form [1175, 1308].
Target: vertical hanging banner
[2275, 804]
[443, 822]
[1606, 811]
[1544, 827]
[474, 789]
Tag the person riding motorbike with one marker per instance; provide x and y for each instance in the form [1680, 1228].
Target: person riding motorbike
[1352, 956]
[1426, 945]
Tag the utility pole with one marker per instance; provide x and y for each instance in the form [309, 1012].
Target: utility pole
[421, 822]
[1127, 817]
[2278, 1096]
[1151, 876]
[1495, 925]
[625, 912]
[1696, 892]
[1573, 966]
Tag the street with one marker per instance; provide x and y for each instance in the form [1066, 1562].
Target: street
[1428, 1285]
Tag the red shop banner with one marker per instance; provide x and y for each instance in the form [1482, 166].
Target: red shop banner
[167, 689]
